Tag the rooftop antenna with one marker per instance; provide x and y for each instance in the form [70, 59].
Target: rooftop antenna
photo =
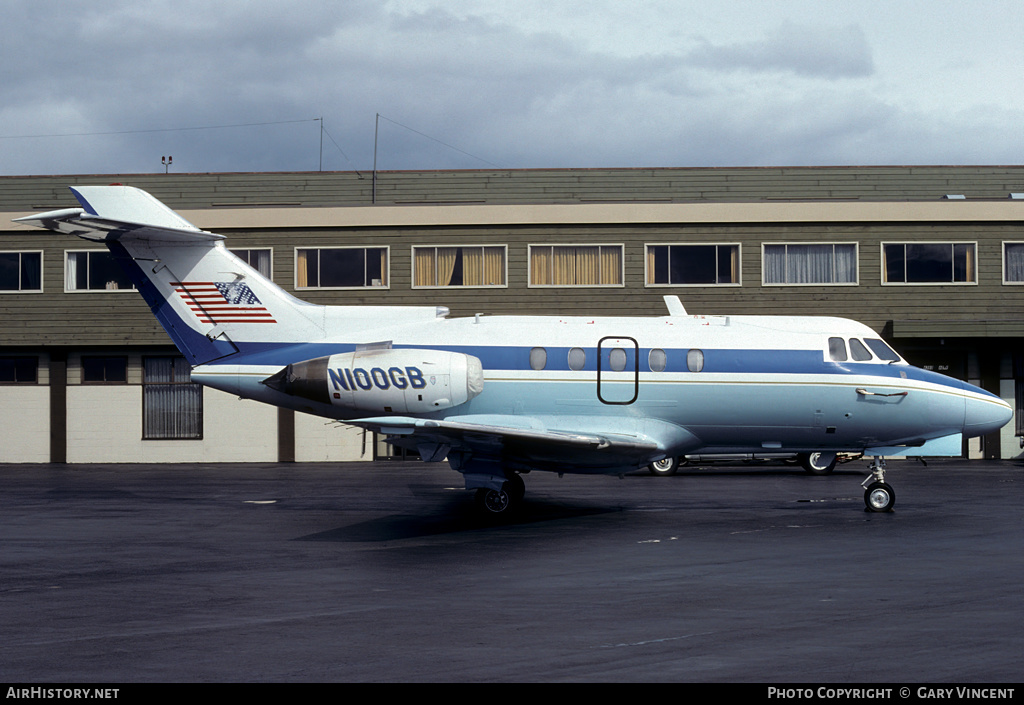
[376, 128]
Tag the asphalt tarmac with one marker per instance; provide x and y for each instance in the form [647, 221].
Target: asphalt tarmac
[380, 572]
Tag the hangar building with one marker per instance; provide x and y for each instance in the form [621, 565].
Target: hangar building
[930, 257]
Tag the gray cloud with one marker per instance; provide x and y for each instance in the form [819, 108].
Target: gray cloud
[823, 52]
[513, 96]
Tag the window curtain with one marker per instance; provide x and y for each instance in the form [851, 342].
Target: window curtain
[473, 266]
[446, 264]
[563, 266]
[611, 265]
[301, 268]
[494, 266]
[588, 265]
[1014, 257]
[71, 271]
[810, 264]
[172, 405]
[423, 263]
[260, 261]
[540, 266]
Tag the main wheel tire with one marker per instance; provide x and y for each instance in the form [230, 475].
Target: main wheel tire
[819, 463]
[879, 497]
[495, 505]
[666, 467]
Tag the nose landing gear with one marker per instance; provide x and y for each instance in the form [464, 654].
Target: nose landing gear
[879, 496]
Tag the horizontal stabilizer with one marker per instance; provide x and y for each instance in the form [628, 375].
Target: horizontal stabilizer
[113, 212]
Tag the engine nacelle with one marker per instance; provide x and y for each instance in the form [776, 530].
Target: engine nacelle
[389, 381]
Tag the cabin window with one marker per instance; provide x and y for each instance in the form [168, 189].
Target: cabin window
[576, 265]
[657, 360]
[19, 370]
[94, 271]
[21, 271]
[341, 267]
[104, 370]
[617, 359]
[458, 266]
[824, 263]
[577, 359]
[693, 265]
[695, 360]
[858, 352]
[172, 406]
[538, 358]
[258, 259]
[929, 263]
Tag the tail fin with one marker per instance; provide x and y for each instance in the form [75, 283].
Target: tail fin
[208, 300]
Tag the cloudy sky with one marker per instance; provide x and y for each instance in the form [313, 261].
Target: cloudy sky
[232, 85]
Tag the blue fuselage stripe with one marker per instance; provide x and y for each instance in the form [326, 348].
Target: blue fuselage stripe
[517, 358]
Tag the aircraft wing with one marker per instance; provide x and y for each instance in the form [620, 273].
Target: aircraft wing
[560, 444]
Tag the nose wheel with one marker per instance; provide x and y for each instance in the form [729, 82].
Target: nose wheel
[879, 495]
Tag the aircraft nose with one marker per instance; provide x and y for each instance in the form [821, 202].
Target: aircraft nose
[985, 412]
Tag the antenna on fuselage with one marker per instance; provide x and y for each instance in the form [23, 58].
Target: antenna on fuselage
[675, 306]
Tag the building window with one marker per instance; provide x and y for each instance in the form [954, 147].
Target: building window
[810, 264]
[929, 263]
[104, 370]
[575, 265]
[94, 271]
[258, 259]
[1013, 263]
[172, 406]
[693, 265]
[458, 266]
[341, 267]
[21, 271]
[18, 370]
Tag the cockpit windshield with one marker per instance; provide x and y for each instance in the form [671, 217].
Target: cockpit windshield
[881, 350]
[837, 350]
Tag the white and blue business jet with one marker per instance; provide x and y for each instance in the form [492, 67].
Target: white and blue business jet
[501, 396]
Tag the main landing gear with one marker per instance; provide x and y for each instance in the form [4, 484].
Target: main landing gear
[878, 494]
[496, 505]
[819, 463]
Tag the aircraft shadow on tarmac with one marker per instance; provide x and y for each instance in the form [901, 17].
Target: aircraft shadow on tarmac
[453, 514]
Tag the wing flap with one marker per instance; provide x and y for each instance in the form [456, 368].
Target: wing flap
[586, 445]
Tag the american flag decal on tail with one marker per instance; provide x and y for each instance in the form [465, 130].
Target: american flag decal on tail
[223, 302]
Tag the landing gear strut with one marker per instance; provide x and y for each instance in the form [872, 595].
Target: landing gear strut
[879, 496]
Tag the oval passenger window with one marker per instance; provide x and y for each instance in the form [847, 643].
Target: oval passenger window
[657, 360]
[538, 358]
[695, 360]
[617, 359]
[577, 359]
